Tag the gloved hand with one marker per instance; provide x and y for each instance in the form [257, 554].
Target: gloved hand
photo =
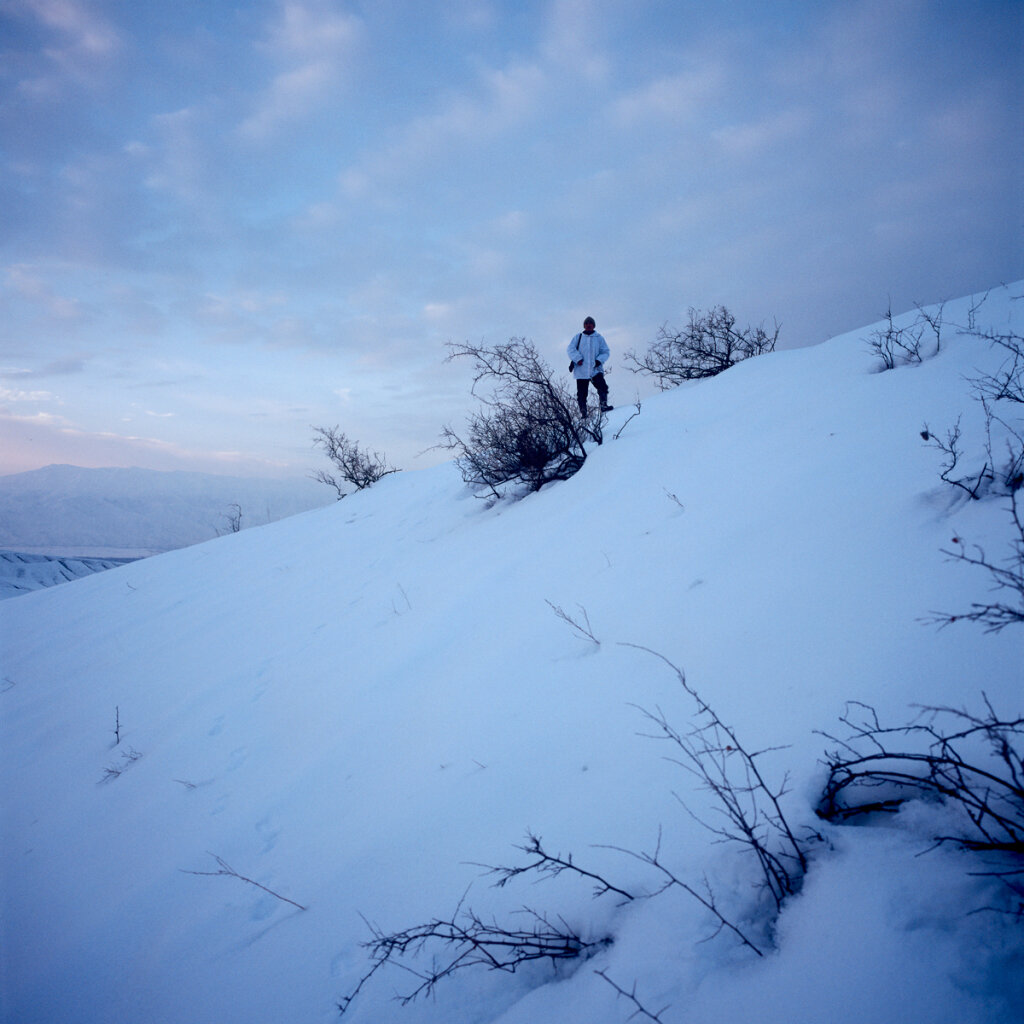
[597, 364]
[571, 365]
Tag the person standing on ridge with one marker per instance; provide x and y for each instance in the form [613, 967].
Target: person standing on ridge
[588, 352]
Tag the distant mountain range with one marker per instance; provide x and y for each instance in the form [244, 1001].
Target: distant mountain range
[129, 513]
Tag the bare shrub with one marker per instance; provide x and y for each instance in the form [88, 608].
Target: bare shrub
[528, 431]
[354, 465]
[709, 344]
[903, 346]
[973, 484]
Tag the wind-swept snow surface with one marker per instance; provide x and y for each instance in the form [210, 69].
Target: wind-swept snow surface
[356, 707]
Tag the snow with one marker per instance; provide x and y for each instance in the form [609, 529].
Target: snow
[23, 573]
[357, 706]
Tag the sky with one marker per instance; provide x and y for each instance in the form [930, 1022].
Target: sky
[223, 224]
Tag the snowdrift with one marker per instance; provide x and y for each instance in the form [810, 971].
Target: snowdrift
[356, 707]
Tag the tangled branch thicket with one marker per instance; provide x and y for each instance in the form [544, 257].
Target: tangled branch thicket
[1006, 576]
[709, 344]
[1001, 475]
[971, 762]
[974, 761]
[528, 431]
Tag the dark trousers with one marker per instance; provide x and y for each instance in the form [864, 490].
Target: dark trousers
[583, 388]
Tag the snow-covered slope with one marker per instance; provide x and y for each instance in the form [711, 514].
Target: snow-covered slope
[20, 574]
[356, 706]
[113, 513]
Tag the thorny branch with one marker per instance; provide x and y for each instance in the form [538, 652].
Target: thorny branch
[752, 809]
[993, 615]
[706, 898]
[551, 866]
[465, 940]
[228, 871]
[641, 1010]
[1002, 473]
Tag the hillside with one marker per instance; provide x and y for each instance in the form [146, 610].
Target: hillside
[21, 574]
[356, 707]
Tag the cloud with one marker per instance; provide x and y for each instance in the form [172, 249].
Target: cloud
[55, 368]
[313, 44]
[28, 283]
[9, 395]
[84, 42]
[672, 97]
[574, 35]
[477, 15]
[502, 99]
[178, 163]
[87, 33]
[750, 138]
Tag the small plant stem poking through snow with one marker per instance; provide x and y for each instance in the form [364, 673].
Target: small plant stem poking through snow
[582, 629]
[632, 416]
[229, 872]
[113, 771]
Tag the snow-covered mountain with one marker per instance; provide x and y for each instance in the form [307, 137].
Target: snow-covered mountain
[113, 513]
[226, 765]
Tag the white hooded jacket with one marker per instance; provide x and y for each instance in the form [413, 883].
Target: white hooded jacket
[593, 350]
